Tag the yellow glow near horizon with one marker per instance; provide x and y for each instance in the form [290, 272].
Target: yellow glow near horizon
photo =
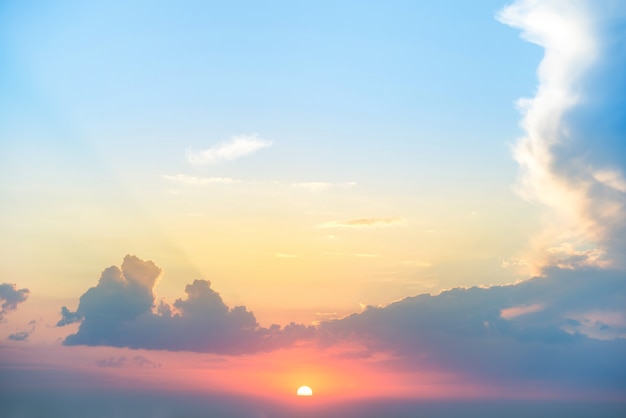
[304, 391]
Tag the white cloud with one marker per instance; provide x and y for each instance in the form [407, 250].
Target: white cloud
[569, 156]
[236, 147]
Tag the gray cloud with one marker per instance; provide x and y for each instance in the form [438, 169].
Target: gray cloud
[119, 312]
[19, 336]
[23, 335]
[123, 361]
[568, 326]
[10, 297]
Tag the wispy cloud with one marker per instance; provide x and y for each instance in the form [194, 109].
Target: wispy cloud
[186, 179]
[19, 336]
[318, 186]
[23, 335]
[515, 311]
[236, 147]
[312, 186]
[365, 223]
[418, 263]
[123, 361]
[357, 255]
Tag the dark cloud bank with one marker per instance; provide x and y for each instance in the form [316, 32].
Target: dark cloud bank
[567, 327]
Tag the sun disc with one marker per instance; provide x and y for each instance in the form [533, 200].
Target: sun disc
[304, 391]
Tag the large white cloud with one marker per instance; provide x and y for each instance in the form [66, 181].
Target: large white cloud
[573, 153]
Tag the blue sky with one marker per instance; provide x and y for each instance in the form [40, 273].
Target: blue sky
[412, 102]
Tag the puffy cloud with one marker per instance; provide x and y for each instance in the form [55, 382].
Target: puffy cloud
[121, 311]
[236, 147]
[365, 223]
[567, 326]
[573, 154]
[10, 297]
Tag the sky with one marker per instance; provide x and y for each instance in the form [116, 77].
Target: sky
[411, 207]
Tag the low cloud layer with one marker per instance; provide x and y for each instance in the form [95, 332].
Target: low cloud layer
[10, 297]
[573, 154]
[121, 311]
[568, 327]
[236, 147]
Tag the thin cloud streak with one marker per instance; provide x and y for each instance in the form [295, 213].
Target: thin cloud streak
[362, 223]
[318, 186]
[194, 180]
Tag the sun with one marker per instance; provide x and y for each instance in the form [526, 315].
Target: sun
[304, 391]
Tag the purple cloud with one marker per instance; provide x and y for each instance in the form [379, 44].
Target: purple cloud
[10, 297]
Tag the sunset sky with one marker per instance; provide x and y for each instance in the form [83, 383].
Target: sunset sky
[206, 205]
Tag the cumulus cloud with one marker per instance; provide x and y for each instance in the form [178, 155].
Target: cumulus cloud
[236, 147]
[10, 297]
[573, 154]
[365, 223]
[567, 326]
[121, 311]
